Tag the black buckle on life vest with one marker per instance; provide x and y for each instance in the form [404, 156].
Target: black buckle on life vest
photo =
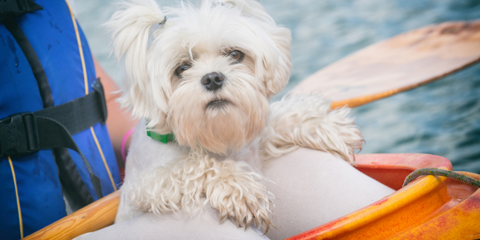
[19, 134]
[98, 87]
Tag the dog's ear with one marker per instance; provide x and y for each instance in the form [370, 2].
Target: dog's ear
[131, 28]
[275, 60]
[278, 64]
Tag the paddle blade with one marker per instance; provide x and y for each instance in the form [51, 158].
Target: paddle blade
[397, 64]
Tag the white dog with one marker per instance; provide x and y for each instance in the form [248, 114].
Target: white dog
[205, 73]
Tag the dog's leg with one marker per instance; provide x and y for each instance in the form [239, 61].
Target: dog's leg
[232, 187]
[307, 121]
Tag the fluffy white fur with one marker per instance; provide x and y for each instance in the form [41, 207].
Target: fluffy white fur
[307, 121]
[220, 151]
[235, 189]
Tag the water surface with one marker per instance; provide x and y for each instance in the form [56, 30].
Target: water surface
[441, 118]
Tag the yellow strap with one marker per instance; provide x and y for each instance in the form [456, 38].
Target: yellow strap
[79, 42]
[103, 158]
[18, 200]
[80, 49]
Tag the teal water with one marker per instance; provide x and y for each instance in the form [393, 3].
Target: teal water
[441, 118]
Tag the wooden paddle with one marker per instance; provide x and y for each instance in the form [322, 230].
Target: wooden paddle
[383, 69]
[397, 64]
[93, 217]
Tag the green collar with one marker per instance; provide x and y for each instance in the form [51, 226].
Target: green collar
[160, 137]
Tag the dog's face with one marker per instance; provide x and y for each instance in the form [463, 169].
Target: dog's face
[208, 73]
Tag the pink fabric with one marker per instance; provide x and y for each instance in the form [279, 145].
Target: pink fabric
[124, 141]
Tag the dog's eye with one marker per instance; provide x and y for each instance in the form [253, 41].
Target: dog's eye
[236, 55]
[182, 68]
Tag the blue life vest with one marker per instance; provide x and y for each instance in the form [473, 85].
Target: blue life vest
[30, 187]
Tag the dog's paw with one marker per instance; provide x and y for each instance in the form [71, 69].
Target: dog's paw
[307, 121]
[238, 192]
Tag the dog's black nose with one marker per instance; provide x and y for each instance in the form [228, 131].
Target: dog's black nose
[213, 81]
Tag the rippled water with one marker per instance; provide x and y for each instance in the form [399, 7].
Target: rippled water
[441, 118]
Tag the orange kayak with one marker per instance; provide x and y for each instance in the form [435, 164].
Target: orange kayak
[428, 208]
